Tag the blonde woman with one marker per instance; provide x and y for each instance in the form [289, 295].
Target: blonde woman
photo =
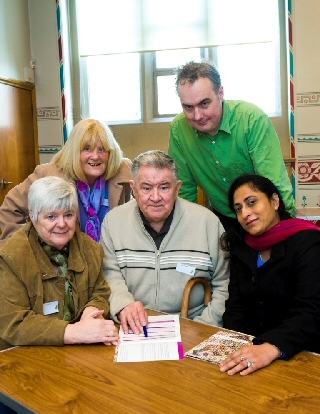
[93, 160]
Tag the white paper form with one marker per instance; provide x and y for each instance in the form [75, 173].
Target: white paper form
[162, 343]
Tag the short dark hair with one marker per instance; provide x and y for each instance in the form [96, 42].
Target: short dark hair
[192, 71]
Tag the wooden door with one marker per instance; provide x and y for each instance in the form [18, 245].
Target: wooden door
[19, 152]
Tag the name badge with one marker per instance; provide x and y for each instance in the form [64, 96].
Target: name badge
[105, 202]
[51, 307]
[186, 269]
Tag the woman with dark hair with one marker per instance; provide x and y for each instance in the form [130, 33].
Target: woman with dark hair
[274, 290]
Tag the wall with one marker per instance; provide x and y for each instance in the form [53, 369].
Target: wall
[305, 79]
[133, 139]
[14, 39]
[15, 52]
[45, 52]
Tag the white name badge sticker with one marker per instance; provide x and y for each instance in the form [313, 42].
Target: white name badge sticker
[51, 307]
[105, 202]
[186, 269]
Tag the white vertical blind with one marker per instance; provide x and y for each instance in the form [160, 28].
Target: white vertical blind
[120, 26]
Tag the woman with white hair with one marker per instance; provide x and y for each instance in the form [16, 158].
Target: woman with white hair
[52, 287]
[92, 158]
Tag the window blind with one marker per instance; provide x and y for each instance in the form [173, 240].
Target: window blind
[122, 26]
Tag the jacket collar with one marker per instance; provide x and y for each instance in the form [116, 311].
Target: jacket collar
[177, 214]
[249, 256]
[75, 261]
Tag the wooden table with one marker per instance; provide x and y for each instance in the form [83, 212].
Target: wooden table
[85, 380]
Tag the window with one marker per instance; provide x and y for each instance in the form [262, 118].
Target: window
[259, 85]
[129, 76]
[111, 87]
[166, 101]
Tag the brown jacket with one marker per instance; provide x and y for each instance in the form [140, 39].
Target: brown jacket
[28, 281]
[14, 209]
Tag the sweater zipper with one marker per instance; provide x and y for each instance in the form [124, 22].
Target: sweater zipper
[158, 277]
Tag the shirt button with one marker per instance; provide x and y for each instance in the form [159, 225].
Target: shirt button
[213, 142]
[217, 162]
[223, 179]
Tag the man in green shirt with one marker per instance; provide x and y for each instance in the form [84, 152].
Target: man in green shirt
[213, 141]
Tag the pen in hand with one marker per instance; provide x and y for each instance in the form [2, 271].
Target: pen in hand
[145, 331]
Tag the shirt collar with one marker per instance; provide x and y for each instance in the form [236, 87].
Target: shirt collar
[166, 225]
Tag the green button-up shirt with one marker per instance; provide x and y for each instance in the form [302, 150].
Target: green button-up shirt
[246, 142]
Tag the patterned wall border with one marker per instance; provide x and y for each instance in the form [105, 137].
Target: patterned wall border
[291, 97]
[309, 171]
[49, 149]
[50, 112]
[309, 137]
[62, 74]
[308, 99]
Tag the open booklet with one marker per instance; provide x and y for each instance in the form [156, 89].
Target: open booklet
[163, 341]
[216, 348]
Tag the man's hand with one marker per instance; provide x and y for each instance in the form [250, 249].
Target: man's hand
[134, 316]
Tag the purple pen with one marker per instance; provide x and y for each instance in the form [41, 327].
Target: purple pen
[145, 331]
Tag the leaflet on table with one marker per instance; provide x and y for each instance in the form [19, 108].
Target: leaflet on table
[216, 348]
[162, 343]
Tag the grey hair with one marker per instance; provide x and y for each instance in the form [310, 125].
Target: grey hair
[192, 71]
[50, 194]
[154, 158]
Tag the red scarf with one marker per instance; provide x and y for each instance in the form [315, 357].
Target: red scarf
[279, 232]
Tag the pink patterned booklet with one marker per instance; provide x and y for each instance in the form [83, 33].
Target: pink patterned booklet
[216, 348]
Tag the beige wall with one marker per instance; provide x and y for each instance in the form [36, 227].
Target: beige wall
[138, 138]
[135, 139]
[44, 47]
[15, 53]
[306, 83]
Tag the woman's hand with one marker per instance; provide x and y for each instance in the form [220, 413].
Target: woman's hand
[92, 328]
[89, 309]
[249, 358]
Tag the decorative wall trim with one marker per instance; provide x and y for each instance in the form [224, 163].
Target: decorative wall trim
[309, 137]
[308, 99]
[48, 112]
[49, 149]
[62, 80]
[291, 97]
[309, 171]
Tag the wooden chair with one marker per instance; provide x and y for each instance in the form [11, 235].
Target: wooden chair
[203, 199]
[187, 291]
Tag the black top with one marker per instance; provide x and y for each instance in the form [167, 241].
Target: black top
[157, 237]
[278, 302]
